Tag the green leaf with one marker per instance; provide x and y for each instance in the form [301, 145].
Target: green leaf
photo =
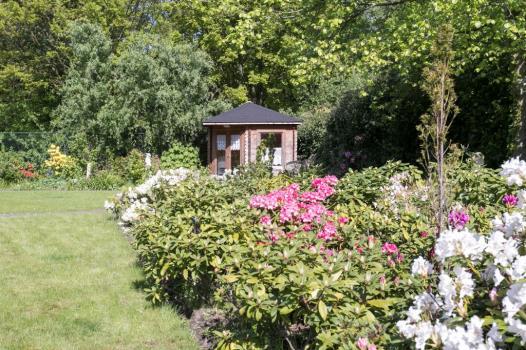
[230, 278]
[382, 303]
[285, 310]
[164, 268]
[322, 309]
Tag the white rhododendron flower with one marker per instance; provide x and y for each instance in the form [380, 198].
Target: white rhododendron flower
[518, 269]
[421, 267]
[453, 290]
[519, 328]
[521, 196]
[461, 255]
[502, 249]
[511, 224]
[514, 300]
[137, 200]
[514, 170]
[459, 243]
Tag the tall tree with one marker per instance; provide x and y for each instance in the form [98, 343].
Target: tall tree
[147, 95]
[34, 54]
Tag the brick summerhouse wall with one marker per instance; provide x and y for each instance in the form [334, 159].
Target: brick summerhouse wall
[250, 138]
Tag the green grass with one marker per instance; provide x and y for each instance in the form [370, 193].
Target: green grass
[70, 281]
[49, 201]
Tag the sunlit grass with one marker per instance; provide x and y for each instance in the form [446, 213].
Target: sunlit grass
[48, 201]
[68, 281]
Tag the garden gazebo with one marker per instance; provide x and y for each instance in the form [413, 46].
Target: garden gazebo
[234, 137]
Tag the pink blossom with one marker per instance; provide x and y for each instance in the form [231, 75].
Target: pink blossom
[343, 220]
[424, 234]
[510, 200]
[273, 237]
[362, 343]
[399, 257]
[328, 231]
[265, 220]
[458, 219]
[382, 281]
[289, 211]
[307, 227]
[389, 248]
[312, 212]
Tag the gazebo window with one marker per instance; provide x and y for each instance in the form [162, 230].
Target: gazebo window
[235, 150]
[272, 142]
[221, 147]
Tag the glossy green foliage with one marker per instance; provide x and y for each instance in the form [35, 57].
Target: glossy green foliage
[180, 156]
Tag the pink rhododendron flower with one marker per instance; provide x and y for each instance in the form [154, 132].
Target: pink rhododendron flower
[510, 200]
[288, 212]
[424, 234]
[389, 248]
[307, 227]
[273, 237]
[458, 219]
[265, 220]
[328, 231]
[362, 343]
[343, 220]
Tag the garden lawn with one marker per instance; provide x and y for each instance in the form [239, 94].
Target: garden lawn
[69, 279]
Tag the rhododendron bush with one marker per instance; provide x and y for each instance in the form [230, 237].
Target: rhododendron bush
[320, 262]
[475, 291]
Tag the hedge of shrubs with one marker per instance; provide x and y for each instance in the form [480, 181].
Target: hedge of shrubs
[313, 261]
[58, 170]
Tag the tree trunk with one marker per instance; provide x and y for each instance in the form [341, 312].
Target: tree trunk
[520, 76]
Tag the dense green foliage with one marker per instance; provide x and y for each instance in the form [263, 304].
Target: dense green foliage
[180, 156]
[148, 95]
[111, 69]
[201, 244]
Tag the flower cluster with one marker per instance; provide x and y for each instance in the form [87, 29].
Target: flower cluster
[28, 171]
[510, 200]
[399, 194]
[304, 209]
[131, 204]
[458, 218]
[434, 317]
[58, 162]
[514, 170]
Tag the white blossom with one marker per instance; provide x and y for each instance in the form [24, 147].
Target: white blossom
[454, 290]
[518, 269]
[514, 300]
[459, 243]
[521, 195]
[510, 224]
[503, 250]
[517, 327]
[421, 267]
[109, 205]
[514, 170]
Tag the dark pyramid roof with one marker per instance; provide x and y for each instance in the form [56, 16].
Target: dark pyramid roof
[251, 113]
